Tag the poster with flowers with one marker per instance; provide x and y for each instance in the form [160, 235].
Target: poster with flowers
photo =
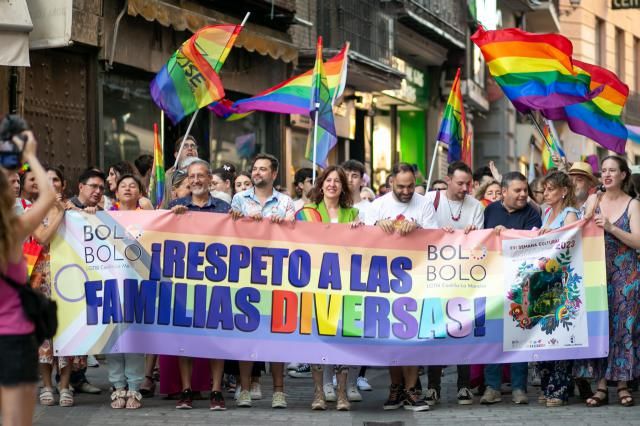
[545, 297]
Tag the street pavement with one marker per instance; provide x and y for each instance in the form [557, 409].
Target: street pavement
[95, 409]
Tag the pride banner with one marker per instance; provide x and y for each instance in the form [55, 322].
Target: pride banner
[203, 285]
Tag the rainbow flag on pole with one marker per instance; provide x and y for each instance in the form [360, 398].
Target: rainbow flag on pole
[322, 102]
[535, 71]
[292, 96]
[453, 128]
[157, 183]
[189, 80]
[598, 118]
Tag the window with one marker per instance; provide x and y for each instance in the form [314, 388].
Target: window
[620, 53]
[600, 42]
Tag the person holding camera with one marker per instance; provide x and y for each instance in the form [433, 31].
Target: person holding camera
[18, 344]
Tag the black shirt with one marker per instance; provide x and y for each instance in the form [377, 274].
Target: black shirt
[526, 218]
[213, 205]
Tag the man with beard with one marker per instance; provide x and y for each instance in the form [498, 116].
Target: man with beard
[90, 190]
[200, 200]
[258, 203]
[403, 211]
[513, 212]
[189, 150]
[584, 182]
[455, 209]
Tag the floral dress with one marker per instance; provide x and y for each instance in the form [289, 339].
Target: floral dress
[623, 293]
[555, 376]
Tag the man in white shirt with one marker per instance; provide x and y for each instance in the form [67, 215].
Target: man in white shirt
[402, 210]
[455, 209]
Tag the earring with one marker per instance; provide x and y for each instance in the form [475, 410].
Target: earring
[563, 196]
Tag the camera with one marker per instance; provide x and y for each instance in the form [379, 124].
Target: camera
[10, 153]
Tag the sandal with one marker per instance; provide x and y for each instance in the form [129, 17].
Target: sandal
[148, 387]
[66, 398]
[596, 401]
[133, 400]
[555, 402]
[46, 396]
[118, 399]
[625, 400]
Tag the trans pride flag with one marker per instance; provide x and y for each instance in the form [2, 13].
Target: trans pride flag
[535, 71]
[453, 128]
[189, 80]
[324, 134]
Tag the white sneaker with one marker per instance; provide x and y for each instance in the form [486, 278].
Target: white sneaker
[278, 400]
[465, 397]
[256, 391]
[329, 393]
[363, 384]
[92, 361]
[352, 393]
[491, 396]
[518, 396]
[244, 399]
[293, 366]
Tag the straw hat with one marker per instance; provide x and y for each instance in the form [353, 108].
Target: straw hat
[583, 169]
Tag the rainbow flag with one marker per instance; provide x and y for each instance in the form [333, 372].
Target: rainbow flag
[322, 102]
[535, 71]
[189, 80]
[292, 96]
[156, 186]
[453, 128]
[599, 118]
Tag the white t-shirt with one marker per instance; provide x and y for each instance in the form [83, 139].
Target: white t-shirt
[470, 211]
[388, 207]
[363, 207]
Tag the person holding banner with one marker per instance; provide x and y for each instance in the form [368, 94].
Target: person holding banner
[455, 210]
[402, 211]
[513, 212]
[559, 196]
[126, 371]
[331, 199]
[619, 215]
[18, 346]
[200, 200]
[257, 203]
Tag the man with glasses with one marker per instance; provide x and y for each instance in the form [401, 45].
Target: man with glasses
[90, 190]
[189, 150]
[302, 184]
[200, 200]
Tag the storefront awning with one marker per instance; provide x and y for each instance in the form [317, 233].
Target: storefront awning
[15, 25]
[264, 41]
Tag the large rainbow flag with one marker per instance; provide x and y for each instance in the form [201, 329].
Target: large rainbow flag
[189, 80]
[453, 128]
[599, 118]
[321, 107]
[535, 71]
[156, 186]
[292, 96]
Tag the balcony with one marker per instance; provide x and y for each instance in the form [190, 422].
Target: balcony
[631, 114]
[442, 21]
[544, 17]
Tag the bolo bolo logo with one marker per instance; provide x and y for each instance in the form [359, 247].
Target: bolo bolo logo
[465, 267]
[105, 243]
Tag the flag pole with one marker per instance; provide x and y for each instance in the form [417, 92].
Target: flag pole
[537, 126]
[186, 135]
[315, 143]
[162, 131]
[554, 133]
[433, 162]
[532, 171]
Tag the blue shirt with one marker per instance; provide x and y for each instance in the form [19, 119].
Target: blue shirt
[526, 218]
[279, 204]
[213, 205]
